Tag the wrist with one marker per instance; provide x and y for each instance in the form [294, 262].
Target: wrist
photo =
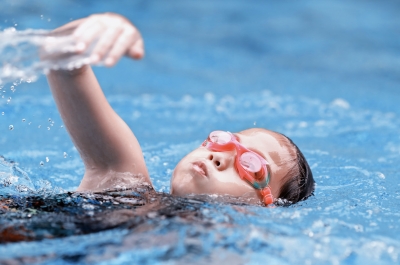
[71, 73]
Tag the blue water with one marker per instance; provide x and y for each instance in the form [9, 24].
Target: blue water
[325, 73]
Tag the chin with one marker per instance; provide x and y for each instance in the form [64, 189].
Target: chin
[183, 182]
[177, 188]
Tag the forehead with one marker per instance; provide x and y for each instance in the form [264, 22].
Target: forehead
[268, 144]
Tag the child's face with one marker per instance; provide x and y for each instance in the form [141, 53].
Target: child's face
[207, 172]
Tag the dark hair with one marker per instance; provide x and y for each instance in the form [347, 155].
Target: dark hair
[299, 182]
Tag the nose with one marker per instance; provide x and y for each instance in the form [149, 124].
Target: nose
[221, 160]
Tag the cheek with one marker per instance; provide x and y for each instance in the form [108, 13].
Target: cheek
[229, 182]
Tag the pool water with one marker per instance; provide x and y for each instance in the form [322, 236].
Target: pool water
[325, 74]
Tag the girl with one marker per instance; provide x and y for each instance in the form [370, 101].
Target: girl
[254, 164]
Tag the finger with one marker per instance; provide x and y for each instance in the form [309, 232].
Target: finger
[82, 28]
[91, 35]
[125, 40]
[137, 50]
[105, 43]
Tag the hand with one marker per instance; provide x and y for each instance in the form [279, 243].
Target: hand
[112, 35]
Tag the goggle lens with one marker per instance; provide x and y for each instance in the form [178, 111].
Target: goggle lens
[250, 162]
[220, 137]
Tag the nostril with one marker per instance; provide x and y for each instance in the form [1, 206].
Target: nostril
[211, 157]
[217, 163]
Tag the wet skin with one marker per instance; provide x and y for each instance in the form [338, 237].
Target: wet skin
[207, 172]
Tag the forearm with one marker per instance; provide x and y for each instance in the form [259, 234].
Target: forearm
[104, 141]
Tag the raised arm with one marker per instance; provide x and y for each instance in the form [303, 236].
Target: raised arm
[110, 151]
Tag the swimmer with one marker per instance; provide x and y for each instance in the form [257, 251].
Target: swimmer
[255, 164]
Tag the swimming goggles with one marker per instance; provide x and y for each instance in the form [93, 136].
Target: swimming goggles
[251, 166]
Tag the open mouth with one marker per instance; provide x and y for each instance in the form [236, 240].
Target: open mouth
[200, 168]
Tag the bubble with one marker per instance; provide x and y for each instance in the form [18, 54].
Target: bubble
[28, 81]
[2, 113]
[23, 120]
[11, 127]
[65, 155]
[47, 159]
[41, 163]
[48, 128]
[39, 126]
[49, 120]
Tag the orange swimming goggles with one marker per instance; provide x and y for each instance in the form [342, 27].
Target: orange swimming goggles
[251, 166]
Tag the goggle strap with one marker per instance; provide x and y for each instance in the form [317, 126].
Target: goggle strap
[266, 195]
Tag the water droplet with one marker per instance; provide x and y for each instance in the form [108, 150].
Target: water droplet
[255, 123]
[23, 120]
[29, 123]
[48, 128]
[65, 155]
[62, 126]
[47, 159]
[28, 81]
[2, 113]
[49, 120]
[11, 127]
[39, 126]
[41, 16]
[41, 163]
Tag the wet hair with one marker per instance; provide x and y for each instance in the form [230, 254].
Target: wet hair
[298, 183]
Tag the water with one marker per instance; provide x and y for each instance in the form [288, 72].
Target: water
[26, 54]
[325, 74]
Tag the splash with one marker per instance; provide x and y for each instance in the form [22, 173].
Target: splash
[14, 180]
[25, 55]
